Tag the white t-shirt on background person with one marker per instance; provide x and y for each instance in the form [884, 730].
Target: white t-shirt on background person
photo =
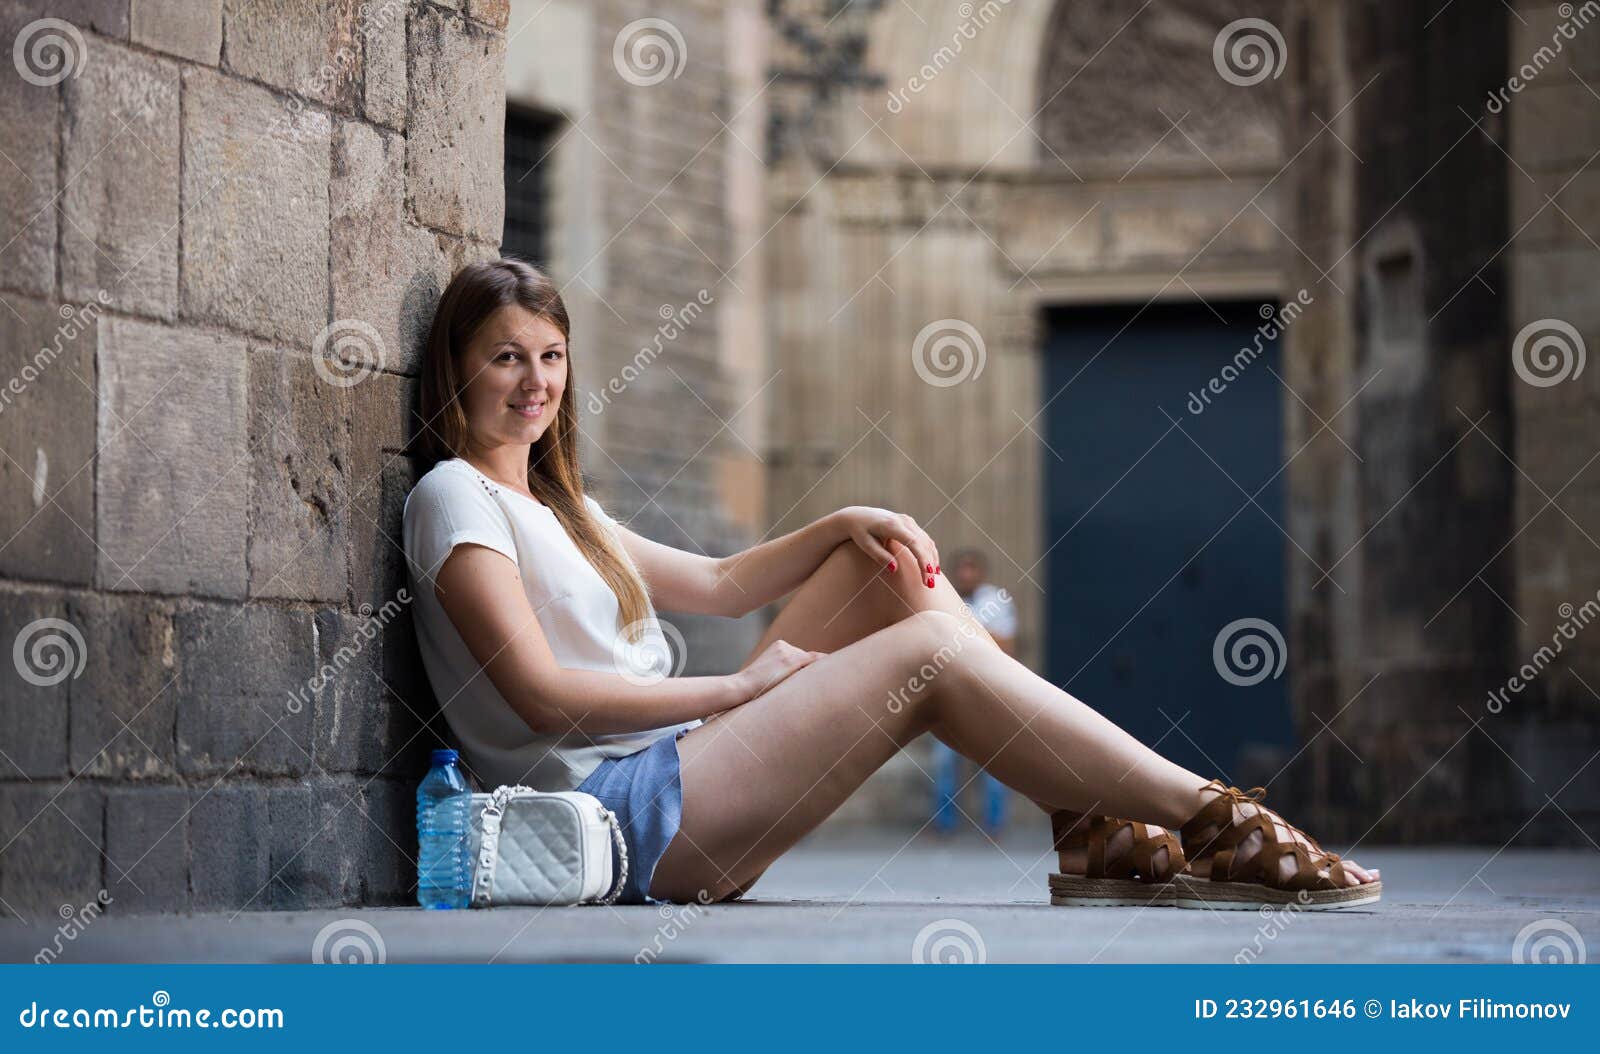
[455, 504]
[994, 610]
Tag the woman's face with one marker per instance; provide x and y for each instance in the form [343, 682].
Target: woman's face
[516, 372]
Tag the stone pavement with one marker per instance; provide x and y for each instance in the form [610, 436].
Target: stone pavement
[856, 897]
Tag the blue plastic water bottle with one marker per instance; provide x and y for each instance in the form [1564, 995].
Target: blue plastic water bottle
[444, 850]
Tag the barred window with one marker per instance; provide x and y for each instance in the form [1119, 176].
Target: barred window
[530, 155]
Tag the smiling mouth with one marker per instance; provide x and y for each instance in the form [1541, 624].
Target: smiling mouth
[528, 409]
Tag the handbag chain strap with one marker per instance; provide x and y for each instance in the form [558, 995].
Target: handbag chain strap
[489, 849]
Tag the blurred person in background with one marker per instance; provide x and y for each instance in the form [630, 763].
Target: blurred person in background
[995, 612]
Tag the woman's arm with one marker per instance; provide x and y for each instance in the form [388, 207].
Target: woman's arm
[739, 584]
[489, 609]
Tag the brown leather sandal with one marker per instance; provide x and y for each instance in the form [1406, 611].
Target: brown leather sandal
[1133, 879]
[1215, 835]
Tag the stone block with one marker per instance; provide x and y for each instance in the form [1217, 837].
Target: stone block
[314, 832]
[377, 556]
[312, 48]
[380, 577]
[384, 86]
[387, 273]
[352, 726]
[415, 720]
[455, 123]
[120, 206]
[173, 470]
[123, 705]
[46, 653]
[383, 422]
[147, 849]
[230, 858]
[493, 13]
[28, 191]
[1578, 196]
[1554, 755]
[245, 700]
[52, 836]
[107, 17]
[1552, 123]
[299, 485]
[255, 195]
[190, 30]
[1554, 284]
[389, 842]
[359, 724]
[46, 398]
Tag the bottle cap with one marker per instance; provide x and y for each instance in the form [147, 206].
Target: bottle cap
[445, 757]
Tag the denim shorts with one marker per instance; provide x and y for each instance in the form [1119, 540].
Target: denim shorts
[645, 791]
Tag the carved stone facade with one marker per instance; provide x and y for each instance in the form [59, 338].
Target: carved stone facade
[1024, 155]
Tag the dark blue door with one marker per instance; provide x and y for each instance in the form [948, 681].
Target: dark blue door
[1153, 547]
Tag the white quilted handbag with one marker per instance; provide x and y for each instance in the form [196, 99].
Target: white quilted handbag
[531, 847]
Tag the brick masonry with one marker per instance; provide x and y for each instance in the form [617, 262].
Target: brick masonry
[210, 524]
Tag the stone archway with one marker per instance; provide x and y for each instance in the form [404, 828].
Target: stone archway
[938, 195]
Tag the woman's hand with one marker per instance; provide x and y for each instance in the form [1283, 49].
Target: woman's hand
[888, 537]
[772, 666]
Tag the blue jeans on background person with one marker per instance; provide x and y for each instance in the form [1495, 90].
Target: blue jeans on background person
[946, 783]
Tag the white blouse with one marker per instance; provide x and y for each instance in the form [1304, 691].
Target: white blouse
[455, 504]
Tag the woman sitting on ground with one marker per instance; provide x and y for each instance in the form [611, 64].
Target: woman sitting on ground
[535, 614]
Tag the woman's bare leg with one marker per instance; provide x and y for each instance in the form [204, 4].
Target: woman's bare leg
[764, 774]
[849, 597]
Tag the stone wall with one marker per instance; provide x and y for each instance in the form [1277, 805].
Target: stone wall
[1429, 210]
[215, 701]
[1550, 129]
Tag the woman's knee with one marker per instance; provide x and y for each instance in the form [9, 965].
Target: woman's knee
[929, 645]
[907, 581]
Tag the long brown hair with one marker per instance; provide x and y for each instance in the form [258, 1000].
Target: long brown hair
[475, 293]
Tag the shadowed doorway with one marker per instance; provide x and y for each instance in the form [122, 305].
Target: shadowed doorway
[1154, 544]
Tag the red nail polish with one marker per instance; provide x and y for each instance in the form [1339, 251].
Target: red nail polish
[930, 583]
[937, 569]
[930, 569]
[891, 567]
